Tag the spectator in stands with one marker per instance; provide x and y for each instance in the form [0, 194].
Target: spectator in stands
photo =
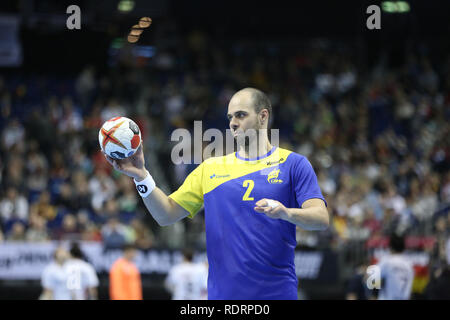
[114, 234]
[127, 200]
[124, 277]
[37, 168]
[14, 176]
[111, 209]
[13, 206]
[102, 188]
[88, 229]
[71, 120]
[5, 107]
[144, 237]
[13, 133]
[69, 229]
[445, 189]
[112, 109]
[427, 203]
[37, 231]
[80, 191]
[17, 232]
[43, 207]
[66, 197]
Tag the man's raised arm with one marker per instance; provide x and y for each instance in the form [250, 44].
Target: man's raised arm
[162, 208]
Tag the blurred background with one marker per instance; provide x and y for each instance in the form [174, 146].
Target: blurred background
[369, 108]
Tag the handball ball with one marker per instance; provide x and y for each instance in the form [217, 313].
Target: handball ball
[119, 137]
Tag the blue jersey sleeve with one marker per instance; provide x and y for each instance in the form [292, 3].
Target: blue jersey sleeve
[305, 182]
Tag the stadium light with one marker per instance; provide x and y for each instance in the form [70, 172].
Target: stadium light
[395, 6]
[125, 5]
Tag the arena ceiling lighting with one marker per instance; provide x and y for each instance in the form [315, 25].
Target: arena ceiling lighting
[125, 5]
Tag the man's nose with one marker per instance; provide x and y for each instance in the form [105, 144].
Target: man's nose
[234, 124]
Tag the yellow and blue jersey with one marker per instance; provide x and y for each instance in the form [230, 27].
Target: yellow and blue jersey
[250, 255]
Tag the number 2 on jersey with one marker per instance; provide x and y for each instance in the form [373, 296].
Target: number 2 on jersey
[249, 184]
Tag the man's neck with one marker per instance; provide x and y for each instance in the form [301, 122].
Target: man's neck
[248, 151]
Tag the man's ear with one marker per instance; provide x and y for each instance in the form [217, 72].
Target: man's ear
[263, 115]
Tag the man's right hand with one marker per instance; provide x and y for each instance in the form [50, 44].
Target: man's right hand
[133, 166]
[163, 209]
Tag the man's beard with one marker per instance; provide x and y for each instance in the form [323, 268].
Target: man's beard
[242, 141]
[248, 140]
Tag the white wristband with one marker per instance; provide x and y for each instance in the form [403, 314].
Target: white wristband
[272, 203]
[146, 186]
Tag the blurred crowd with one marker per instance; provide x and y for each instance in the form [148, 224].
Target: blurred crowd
[375, 136]
[55, 184]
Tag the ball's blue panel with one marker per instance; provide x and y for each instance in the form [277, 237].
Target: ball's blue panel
[117, 155]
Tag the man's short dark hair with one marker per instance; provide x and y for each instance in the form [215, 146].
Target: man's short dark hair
[75, 251]
[397, 242]
[260, 100]
[188, 254]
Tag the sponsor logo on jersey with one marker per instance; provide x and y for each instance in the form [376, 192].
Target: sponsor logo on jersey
[218, 176]
[272, 177]
[269, 163]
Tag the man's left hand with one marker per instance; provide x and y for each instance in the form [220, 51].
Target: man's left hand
[271, 208]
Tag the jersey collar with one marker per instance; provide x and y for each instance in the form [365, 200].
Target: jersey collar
[257, 158]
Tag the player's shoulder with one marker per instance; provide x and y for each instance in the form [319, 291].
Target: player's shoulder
[394, 259]
[281, 155]
[403, 259]
[283, 152]
[71, 264]
[80, 264]
[89, 267]
[201, 267]
[292, 157]
[50, 268]
[219, 159]
[279, 152]
[178, 269]
[217, 162]
[118, 263]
